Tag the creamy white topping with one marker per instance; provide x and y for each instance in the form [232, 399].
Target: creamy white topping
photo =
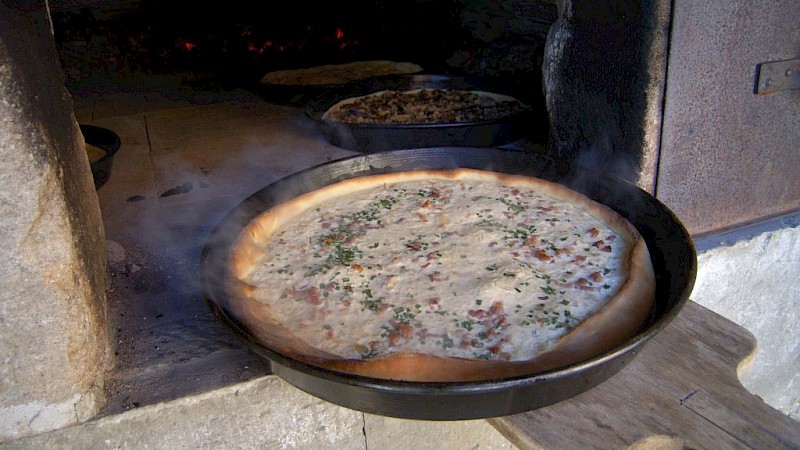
[467, 269]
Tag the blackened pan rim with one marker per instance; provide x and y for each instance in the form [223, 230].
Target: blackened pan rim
[673, 286]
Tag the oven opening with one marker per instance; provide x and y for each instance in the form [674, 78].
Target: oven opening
[216, 47]
[524, 47]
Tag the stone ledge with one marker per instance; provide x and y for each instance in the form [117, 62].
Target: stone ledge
[262, 413]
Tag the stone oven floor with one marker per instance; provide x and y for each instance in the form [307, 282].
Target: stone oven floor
[187, 158]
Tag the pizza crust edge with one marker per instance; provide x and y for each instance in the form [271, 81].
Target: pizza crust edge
[619, 320]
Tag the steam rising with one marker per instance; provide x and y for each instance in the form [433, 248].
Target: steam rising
[596, 79]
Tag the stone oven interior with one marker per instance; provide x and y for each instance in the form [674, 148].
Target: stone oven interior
[203, 48]
[233, 46]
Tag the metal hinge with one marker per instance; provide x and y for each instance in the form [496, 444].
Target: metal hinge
[777, 76]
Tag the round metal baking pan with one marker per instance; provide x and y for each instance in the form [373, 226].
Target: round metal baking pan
[671, 249]
[371, 138]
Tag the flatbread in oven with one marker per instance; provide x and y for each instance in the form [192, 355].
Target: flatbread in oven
[441, 275]
[424, 106]
[333, 74]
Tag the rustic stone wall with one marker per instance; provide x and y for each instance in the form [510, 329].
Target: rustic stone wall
[604, 73]
[53, 336]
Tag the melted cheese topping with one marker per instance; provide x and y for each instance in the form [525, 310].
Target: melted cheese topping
[467, 269]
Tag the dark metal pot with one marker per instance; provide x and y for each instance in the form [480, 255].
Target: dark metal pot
[106, 140]
[671, 249]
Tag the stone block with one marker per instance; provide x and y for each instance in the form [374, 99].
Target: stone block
[753, 282]
[53, 337]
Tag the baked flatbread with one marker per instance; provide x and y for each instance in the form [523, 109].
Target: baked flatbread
[339, 73]
[424, 106]
[441, 275]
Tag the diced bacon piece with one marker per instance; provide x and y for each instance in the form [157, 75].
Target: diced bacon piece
[496, 308]
[394, 339]
[497, 348]
[309, 295]
[596, 276]
[532, 240]
[584, 285]
[594, 232]
[405, 330]
[421, 217]
[427, 203]
[436, 276]
[478, 313]
[542, 255]
[414, 245]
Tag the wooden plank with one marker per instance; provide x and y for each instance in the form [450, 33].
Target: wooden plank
[747, 420]
[681, 389]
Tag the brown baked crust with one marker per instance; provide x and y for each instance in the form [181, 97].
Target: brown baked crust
[339, 73]
[613, 325]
